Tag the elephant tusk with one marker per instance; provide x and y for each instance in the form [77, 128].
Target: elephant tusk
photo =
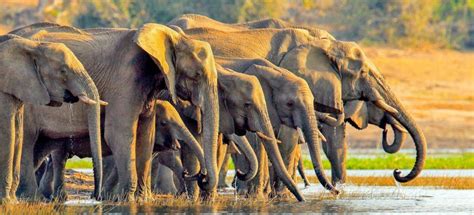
[321, 136]
[89, 101]
[384, 106]
[265, 137]
[329, 120]
[176, 146]
[233, 148]
[300, 134]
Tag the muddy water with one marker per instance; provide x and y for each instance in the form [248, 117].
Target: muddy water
[354, 199]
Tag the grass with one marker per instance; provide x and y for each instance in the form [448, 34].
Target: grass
[398, 161]
[403, 161]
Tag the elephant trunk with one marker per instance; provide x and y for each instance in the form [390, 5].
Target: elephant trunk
[210, 128]
[400, 135]
[275, 158]
[86, 86]
[195, 147]
[311, 134]
[251, 157]
[387, 100]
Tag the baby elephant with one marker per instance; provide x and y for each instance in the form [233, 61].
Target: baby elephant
[39, 73]
[169, 129]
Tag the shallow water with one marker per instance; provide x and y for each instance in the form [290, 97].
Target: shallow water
[354, 199]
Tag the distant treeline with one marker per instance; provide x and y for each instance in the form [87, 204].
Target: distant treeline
[412, 23]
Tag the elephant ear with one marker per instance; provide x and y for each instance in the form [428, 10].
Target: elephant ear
[356, 113]
[20, 75]
[159, 42]
[311, 63]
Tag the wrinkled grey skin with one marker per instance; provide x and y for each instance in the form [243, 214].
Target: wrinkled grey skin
[289, 101]
[336, 71]
[39, 73]
[243, 108]
[169, 129]
[188, 21]
[337, 154]
[129, 67]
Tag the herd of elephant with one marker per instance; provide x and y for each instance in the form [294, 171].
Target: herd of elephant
[189, 96]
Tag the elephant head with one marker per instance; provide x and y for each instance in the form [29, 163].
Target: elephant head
[170, 129]
[338, 72]
[50, 74]
[189, 71]
[290, 102]
[243, 108]
[359, 114]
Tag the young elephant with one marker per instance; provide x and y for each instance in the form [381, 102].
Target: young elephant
[40, 74]
[169, 126]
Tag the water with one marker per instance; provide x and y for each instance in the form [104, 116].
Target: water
[354, 199]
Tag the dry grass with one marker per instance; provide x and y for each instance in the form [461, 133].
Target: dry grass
[459, 183]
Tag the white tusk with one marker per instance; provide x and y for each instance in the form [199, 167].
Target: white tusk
[321, 136]
[265, 137]
[300, 134]
[384, 106]
[103, 103]
[87, 100]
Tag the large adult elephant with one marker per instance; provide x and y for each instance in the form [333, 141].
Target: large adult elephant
[129, 66]
[244, 107]
[40, 74]
[336, 71]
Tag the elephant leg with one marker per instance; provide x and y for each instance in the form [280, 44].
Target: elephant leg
[256, 186]
[46, 182]
[120, 135]
[191, 165]
[110, 177]
[28, 187]
[17, 152]
[154, 172]
[221, 152]
[8, 111]
[145, 143]
[223, 172]
[59, 158]
[172, 160]
[335, 149]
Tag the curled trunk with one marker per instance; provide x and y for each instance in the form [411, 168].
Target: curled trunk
[405, 119]
[400, 136]
[189, 139]
[251, 157]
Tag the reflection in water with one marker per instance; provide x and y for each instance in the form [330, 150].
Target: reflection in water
[353, 199]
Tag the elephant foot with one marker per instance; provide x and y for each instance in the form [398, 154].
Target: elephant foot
[60, 196]
[208, 196]
[284, 194]
[7, 200]
[256, 195]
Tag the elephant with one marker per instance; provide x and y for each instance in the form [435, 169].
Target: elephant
[327, 122]
[169, 129]
[289, 101]
[336, 71]
[129, 67]
[40, 74]
[188, 21]
[243, 107]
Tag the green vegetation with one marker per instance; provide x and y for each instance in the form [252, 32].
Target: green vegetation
[415, 23]
[403, 161]
[400, 161]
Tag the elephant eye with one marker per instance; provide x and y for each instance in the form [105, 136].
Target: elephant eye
[63, 71]
[163, 123]
[248, 104]
[290, 104]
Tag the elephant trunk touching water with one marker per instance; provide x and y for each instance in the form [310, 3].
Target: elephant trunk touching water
[385, 99]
